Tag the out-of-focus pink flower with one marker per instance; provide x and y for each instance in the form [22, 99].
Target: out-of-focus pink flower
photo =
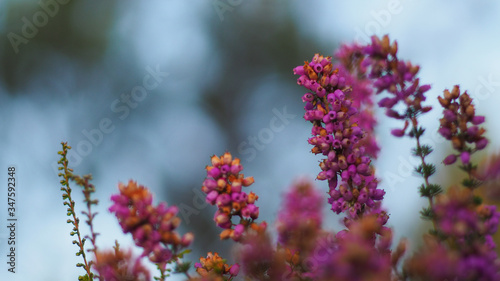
[299, 220]
[119, 265]
[353, 254]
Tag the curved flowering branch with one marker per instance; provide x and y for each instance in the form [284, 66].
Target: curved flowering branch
[67, 175]
[337, 137]
[88, 189]
[378, 61]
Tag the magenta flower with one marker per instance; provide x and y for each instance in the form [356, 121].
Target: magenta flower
[153, 228]
[223, 187]
[450, 159]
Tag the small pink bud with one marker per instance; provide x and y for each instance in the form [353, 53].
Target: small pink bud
[210, 184]
[248, 181]
[318, 67]
[299, 70]
[424, 88]
[214, 173]
[221, 218]
[445, 132]
[398, 132]
[465, 157]
[450, 159]
[234, 270]
[482, 143]
[388, 102]
[187, 239]
[476, 120]
[212, 196]
[334, 79]
[238, 232]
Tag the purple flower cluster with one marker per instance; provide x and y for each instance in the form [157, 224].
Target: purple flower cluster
[355, 254]
[467, 229]
[460, 125]
[299, 220]
[459, 217]
[378, 61]
[153, 228]
[213, 267]
[337, 137]
[224, 189]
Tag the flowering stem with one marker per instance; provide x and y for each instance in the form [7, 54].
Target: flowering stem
[88, 189]
[67, 175]
[161, 267]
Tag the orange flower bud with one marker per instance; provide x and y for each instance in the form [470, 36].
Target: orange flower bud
[216, 161]
[252, 198]
[227, 158]
[248, 181]
[225, 234]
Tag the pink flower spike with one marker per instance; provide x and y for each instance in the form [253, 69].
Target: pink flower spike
[450, 159]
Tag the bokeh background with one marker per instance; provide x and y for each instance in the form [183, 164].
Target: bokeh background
[217, 73]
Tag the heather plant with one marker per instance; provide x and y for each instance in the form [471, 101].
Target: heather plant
[339, 104]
